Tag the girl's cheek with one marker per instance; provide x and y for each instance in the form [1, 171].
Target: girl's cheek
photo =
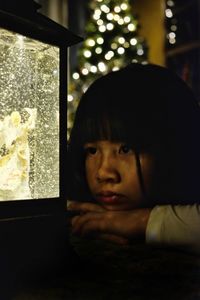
[88, 166]
[90, 171]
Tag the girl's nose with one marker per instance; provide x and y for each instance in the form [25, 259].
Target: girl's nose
[108, 170]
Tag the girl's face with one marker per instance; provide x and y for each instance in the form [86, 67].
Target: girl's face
[112, 177]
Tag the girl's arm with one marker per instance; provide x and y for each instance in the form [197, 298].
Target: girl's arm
[175, 225]
[168, 225]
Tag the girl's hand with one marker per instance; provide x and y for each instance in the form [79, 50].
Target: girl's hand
[116, 226]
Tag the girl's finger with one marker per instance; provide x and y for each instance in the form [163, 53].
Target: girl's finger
[84, 206]
[79, 222]
[88, 226]
[92, 225]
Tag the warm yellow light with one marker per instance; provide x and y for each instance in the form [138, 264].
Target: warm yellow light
[120, 50]
[105, 8]
[110, 26]
[116, 17]
[127, 19]
[172, 41]
[96, 17]
[126, 45]
[131, 27]
[98, 50]
[170, 3]
[97, 14]
[85, 71]
[87, 53]
[100, 40]
[140, 51]
[93, 69]
[110, 16]
[168, 13]
[100, 22]
[102, 28]
[117, 9]
[124, 6]
[114, 46]
[70, 98]
[102, 67]
[90, 42]
[109, 55]
[133, 41]
[75, 76]
[115, 69]
[172, 35]
[97, 11]
[120, 21]
[121, 40]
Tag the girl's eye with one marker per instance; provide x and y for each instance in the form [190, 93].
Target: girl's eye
[124, 149]
[90, 150]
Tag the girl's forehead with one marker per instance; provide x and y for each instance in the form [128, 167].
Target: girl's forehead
[104, 141]
[105, 125]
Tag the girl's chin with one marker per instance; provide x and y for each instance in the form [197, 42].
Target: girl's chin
[121, 207]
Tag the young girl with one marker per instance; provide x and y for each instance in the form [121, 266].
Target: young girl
[134, 159]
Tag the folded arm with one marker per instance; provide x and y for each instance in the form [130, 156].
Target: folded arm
[167, 225]
[175, 225]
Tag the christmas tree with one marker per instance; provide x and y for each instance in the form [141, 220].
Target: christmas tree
[111, 42]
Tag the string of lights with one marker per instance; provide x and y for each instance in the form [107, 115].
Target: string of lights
[171, 23]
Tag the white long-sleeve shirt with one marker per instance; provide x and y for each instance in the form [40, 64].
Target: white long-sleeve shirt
[175, 225]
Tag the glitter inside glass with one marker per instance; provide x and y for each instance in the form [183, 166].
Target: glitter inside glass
[29, 118]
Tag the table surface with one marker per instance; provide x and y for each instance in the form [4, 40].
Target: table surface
[105, 271]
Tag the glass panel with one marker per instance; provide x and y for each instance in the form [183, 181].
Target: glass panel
[29, 118]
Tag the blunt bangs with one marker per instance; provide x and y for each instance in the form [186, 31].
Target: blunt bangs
[115, 109]
[107, 126]
[118, 126]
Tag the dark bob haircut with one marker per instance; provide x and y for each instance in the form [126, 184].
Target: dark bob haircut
[154, 111]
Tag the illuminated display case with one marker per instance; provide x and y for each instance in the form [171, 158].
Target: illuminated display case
[29, 118]
[33, 140]
[33, 93]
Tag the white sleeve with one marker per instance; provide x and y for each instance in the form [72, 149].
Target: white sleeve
[175, 225]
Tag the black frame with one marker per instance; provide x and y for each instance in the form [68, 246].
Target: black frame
[39, 27]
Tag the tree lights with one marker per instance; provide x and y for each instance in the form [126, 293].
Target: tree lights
[111, 42]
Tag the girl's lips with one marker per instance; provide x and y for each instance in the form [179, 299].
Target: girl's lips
[108, 198]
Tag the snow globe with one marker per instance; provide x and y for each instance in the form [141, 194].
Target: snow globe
[33, 107]
[33, 143]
